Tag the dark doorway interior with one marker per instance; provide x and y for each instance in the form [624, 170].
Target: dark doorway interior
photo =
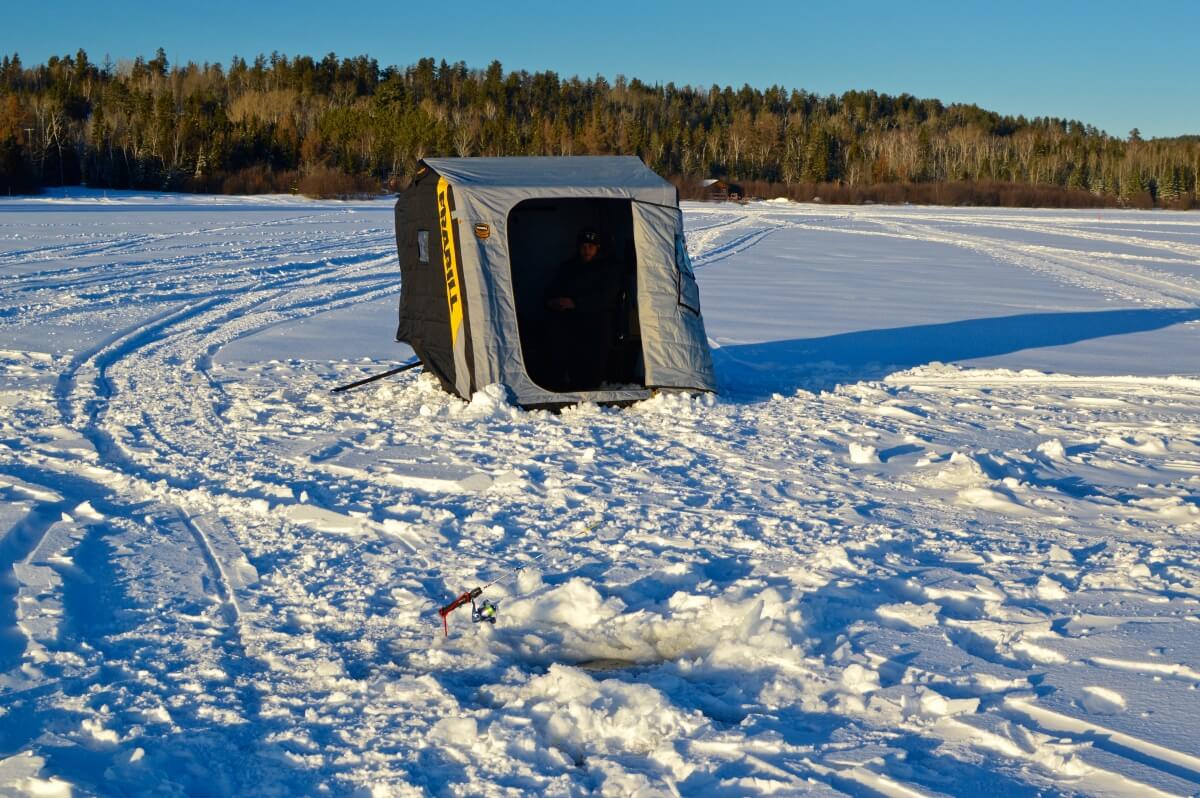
[570, 350]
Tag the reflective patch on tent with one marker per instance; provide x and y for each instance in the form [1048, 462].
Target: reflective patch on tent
[423, 246]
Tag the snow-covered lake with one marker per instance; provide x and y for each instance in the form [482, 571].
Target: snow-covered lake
[938, 535]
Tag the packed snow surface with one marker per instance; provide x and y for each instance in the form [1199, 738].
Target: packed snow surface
[937, 535]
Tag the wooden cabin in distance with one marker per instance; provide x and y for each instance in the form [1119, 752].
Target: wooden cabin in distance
[717, 190]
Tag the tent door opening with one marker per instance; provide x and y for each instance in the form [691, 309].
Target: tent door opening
[598, 342]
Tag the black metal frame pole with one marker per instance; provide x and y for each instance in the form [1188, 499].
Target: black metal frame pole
[356, 384]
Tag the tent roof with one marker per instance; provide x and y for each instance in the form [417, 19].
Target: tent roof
[580, 171]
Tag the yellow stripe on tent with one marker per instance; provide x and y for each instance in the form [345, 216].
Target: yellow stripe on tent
[450, 260]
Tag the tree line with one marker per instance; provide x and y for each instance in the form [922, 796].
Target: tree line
[344, 125]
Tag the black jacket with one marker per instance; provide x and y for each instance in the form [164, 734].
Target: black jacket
[594, 287]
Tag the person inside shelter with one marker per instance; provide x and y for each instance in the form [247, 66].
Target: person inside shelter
[583, 300]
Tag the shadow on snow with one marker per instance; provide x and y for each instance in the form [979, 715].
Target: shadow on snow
[757, 370]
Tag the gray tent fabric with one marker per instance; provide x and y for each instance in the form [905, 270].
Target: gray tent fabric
[674, 343]
[476, 200]
[612, 175]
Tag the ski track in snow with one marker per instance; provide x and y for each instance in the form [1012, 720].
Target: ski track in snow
[221, 579]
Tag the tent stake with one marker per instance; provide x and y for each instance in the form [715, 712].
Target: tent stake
[357, 383]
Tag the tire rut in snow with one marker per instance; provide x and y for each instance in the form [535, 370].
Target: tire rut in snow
[1130, 282]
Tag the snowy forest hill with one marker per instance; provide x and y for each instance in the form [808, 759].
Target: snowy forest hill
[339, 126]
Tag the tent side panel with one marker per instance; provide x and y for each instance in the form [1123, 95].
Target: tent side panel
[486, 290]
[424, 312]
[674, 343]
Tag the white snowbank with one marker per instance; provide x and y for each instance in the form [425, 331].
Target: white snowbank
[923, 542]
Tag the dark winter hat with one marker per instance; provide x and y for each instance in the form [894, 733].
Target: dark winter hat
[588, 236]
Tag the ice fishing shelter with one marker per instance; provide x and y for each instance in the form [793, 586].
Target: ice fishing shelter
[480, 239]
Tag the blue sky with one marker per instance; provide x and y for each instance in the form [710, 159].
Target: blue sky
[1116, 65]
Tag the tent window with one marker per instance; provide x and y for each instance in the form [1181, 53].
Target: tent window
[423, 246]
[598, 343]
[682, 260]
[689, 292]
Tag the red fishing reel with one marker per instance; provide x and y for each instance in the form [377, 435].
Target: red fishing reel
[484, 612]
[466, 598]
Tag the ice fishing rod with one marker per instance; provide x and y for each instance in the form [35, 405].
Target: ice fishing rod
[410, 365]
[486, 611]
